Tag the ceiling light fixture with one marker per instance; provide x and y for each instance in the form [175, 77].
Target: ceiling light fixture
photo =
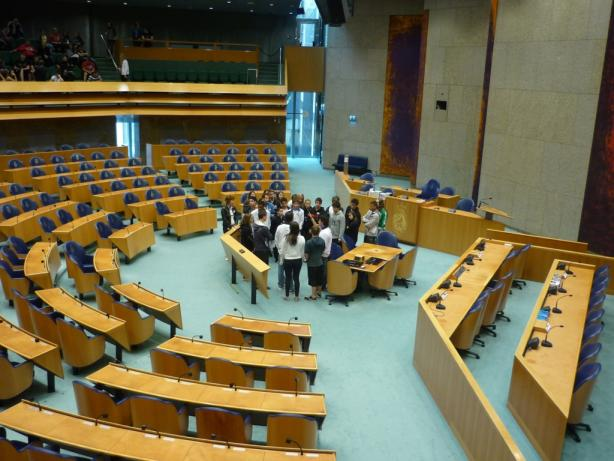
[210, 7]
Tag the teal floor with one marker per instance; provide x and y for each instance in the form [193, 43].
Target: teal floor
[378, 407]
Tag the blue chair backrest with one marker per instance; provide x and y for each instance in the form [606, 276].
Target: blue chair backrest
[251, 151]
[232, 151]
[257, 166]
[236, 167]
[15, 164]
[110, 164]
[278, 166]
[269, 151]
[11, 256]
[86, 166]
[465, 204]
[140, 182]
[134, 162]
[47, 199]
[277, 185]
[585, 374]
[27, 204]
[83, 145]
[387, 239]
[366, 187]
[47, 224]
[130, 197]
[118, 185]
[64, 216]
[66, 147]
[2, 194]
[213, 151]
[216, 167]
[175, 191]
[127, 172]
[205, 159]
[195, 167]
[193, 151]
[182, 159]
[9, 270]
[244, 196]
[175, 151]
[104, 174]
[9, 211]
[183, 141]
[480, 302]
[368, 177]
[211, 177]
[103, 229]
[274, 158]
[447, 191]
[430, 190]
[255, 176]
[55, 159]
[190, 204]
[591, 330]
[228, 187]
[349, 241]
[64, 181]
[16, 189]
[589, 351]
[97, 156]
[161, 208]
[61, 168]
[232, 176]
[95, 189]
[83, 209]
[160, 180]
[152, 194]
[36, 172]
[335, 252]
[147, 170]
[85, 177]
[252, 185]
[278, 176]
[19, 245]
[115, 221]
[116, 154]
[76, 251]
[36, 161]
[252, 158]
[229, 158]
[76, 157]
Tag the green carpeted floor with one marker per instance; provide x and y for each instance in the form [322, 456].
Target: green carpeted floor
[378, 407]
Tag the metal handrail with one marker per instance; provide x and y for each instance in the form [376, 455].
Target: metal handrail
[216, 45]
[106, 46]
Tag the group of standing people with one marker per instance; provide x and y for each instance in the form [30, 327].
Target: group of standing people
[295, 232]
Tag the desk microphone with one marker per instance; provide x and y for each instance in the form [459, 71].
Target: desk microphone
[240, 312]
[144, 427]
[189, 373]
[556, 309]
[138, 284]
[560, 288]
[197, 336]
[295, 386]
[214, 437]
[233, 386]
[483, 202]
[436, 298]
[480, 246]
[291, 349]
[292, 318]
[568, 271]
[532, 343]
[102, 416]
[545, 342]
[162, 291]
[295, 443]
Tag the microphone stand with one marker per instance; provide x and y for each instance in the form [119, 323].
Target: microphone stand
[545, 342]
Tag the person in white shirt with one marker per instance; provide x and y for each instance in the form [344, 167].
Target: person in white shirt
[371, 221]
[327, 236]
[335, 198]
[280, 235]
[298, 214]
[292, 254]
[261, 206]
[125, 70]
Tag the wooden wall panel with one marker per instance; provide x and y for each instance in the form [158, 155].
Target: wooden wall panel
[305, 68]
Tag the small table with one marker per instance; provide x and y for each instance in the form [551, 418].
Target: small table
[371, 250]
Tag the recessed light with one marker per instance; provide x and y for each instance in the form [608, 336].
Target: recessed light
[125, 3]
[169, 6]
[228, 1]
[291, 12]
[271, 4]
[251, 11]
[210, 7]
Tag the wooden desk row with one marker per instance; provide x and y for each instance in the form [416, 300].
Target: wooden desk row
[257, 402]
[85, 435]
[155, 152]
[145, 211]
[214, 189]
[197, 181]
[26, 225]
[131, 240]
[114, 200]
[458, 395]
[81, 230]
[542, 383]
[66, 154]
[80, 192]
[15, 200]
[24, 177]
[183, 169]
[42, 264]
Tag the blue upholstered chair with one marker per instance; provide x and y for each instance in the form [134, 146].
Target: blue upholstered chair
[277, 185]
[57, 159]
[36, 172]
[254, 176]
[466, 204]
[195, 167]
[216, 167]
[175, 191]
[228, 187]
[118, 185]
[110, 164]
[210, 177]
[10, 211]
[140, 182]
[27, 204]
[97, 156]
[134, 161]
[127, 172]
[61, 168]
[447, 191]
[430, 190]
[252, 185]
[366, 187]
[586, 376]
[83, 209]
[256, 166]
[86, 177]
[77, 157]
[16, 189]
[105, 174]
[237, 167]
[86, 166]
[64, 216]
[152, 194]
[161, 180]
[117, 154]
[205, 159]
[278, 176]
[368, 177]
[190, 204]
[193, 151]
[147, 170]
[14, 163]
[387, 239]
[232, 176]
[115, 221]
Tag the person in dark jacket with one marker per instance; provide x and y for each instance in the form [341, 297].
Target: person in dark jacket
[247, 235]
[230, 215]
[262, 237]
[352, 219]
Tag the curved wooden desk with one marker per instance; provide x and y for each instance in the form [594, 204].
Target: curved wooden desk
[81, 230]
[458, 395]
[42, 264]
[164, 309]
[197, 178]
[191, 221]
[106, 264]
[23, 175]
[184, 175]
[134, 239]
[85, 435]
[542, 383]
[258, 327]
[214, 188]
[90, 318]
[114, 200]
[80, 191]
[26, 226]
[259, 403]
[49, 183]
[145, 211]
[254, 358]
[42, 353]
[371, 250]
[15, 200]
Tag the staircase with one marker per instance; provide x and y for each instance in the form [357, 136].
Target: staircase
[268, 73]
[107, 69]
